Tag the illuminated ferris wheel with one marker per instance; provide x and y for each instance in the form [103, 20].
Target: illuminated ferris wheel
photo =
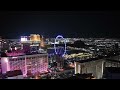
[60, 50]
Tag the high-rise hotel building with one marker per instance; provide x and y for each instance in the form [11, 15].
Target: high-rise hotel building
[27, 63]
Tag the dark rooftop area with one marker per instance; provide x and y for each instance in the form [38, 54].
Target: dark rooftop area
[14, 73]
[113, 69]
[81, 76]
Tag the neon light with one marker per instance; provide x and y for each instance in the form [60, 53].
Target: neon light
[5, 64]
[14, 57]
[59, 36]
[6, 60]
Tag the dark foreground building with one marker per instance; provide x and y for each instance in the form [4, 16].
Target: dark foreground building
[112, 73]
[82, 76]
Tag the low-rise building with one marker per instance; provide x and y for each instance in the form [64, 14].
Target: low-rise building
[94, 66]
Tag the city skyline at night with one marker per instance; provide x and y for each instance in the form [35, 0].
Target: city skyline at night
[63, 44]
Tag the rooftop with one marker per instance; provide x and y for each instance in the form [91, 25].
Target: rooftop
[113, 69]
[82, 76]
[14, 73]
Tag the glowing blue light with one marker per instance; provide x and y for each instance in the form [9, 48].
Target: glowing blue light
[60, 36]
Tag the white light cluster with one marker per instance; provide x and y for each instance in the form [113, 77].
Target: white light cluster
[23, 39]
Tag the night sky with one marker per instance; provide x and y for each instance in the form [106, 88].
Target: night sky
[14, 24]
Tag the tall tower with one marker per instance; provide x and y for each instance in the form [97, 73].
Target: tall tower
[25, 44]
[42, 44]
[35, 42]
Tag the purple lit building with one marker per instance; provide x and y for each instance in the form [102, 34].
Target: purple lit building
[26, 63]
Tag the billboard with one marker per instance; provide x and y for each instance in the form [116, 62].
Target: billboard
[24, 38]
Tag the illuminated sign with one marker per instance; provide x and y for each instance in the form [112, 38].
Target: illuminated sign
[24, 38]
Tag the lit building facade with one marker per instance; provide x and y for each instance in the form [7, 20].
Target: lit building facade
[96, 67]
[33, 42]
[27, 63]
[35, 38]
